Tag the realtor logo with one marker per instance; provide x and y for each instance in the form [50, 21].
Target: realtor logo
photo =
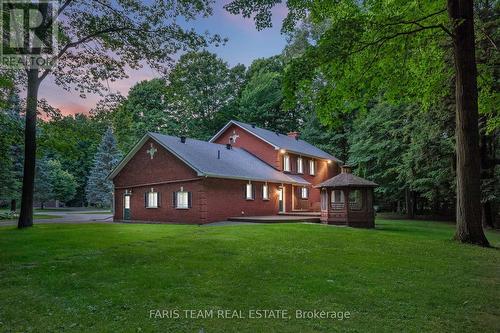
[28, 32]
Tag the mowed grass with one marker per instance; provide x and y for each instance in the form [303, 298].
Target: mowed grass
[402, 277]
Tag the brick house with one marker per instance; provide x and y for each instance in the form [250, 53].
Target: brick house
[243, 170]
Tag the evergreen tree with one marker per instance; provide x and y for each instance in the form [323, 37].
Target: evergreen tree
[63, 182]
[43, 182]
[11, 125]
[99, 189]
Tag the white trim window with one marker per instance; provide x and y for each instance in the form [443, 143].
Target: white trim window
[127, 201]
[152, 199]
[304, 193]
[286, 163]
[338, 196]
[249, 191]
[182, 200]
[300, 165]
[265, 192]
[312, 167]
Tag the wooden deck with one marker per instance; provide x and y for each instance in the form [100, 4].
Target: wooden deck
[281, 218]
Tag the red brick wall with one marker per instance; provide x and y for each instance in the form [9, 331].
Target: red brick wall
[226, 198]
[142, 173]
[212, 199]
[166, 212]
[164, 166]
[251, 143]
[324, 171]
[267, 153]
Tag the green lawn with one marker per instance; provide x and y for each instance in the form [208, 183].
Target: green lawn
[403, 276]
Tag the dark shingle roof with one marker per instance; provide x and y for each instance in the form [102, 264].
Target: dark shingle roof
[234, 163]
[282, 141]
[347, 180]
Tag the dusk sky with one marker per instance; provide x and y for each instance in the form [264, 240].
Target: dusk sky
[245, 44]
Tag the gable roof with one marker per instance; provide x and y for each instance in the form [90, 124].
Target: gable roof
[202, 157]
[346, 180]
[280, 141]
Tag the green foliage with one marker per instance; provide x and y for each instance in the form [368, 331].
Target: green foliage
[72, 140]
[488, 58]
[144, 110]
[99, 189]
[404, 149]
[200, 94]
[52, 182]
[11, 128]
[43, 181]
[63, 182]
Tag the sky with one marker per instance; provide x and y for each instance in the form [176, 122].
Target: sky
[245, 44]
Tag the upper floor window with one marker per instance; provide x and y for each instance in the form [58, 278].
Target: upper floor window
[286, 163]
[304, 193]
[249, 192]
[312, 167]
[151, 199]
[265, 192]
[300, 165]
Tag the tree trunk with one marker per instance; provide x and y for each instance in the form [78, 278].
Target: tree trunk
[26, 214]
[13, 205]
[410, 204]
[468, 228]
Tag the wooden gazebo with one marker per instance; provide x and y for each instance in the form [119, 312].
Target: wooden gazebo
[347, 200]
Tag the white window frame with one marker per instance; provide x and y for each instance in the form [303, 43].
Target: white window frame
[312, 167]
[300, 165]
[265, 192]
[334, 197]
[304, 193]
[249, 191]
[152, 200]
[286, 163]
[182, 200]
[126, 203]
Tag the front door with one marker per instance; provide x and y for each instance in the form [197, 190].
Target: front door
[126, 207]
[281, 199]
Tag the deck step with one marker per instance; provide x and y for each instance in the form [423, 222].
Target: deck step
[274, 218]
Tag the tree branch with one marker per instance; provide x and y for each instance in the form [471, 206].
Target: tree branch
[417, 20]
[384, 39]
[89, 38]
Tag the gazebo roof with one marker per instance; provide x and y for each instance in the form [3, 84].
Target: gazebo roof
[346, 179]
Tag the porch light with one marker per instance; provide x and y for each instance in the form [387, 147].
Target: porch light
[282, 151]
[329, 161]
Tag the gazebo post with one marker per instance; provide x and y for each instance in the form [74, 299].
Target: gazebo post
[347, 207]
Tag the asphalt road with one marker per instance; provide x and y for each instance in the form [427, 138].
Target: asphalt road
[71, 216]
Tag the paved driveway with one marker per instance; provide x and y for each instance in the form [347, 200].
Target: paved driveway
[70, 216]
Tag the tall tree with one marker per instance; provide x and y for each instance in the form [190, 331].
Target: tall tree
[262, 97]
[73, 141]
[395, 48]
[63, 183]
[100, 189]
[200, 92]
[43, 182]
[143, 110]
[98, 40]
[11, 124]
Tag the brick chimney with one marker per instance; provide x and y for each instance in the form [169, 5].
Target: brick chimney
[295, 135]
